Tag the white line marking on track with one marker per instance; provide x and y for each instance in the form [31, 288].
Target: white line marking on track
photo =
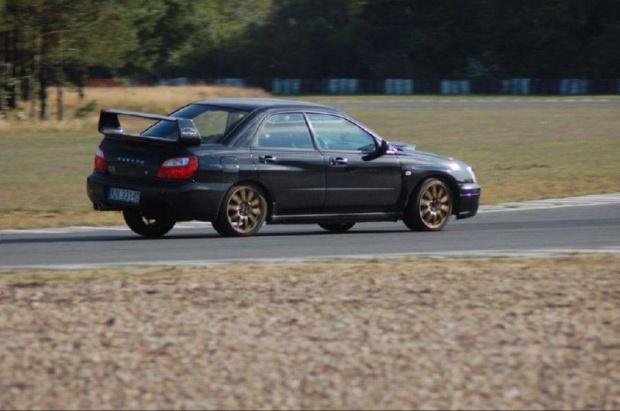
[86, 229]
[440, 254]
[583, 201]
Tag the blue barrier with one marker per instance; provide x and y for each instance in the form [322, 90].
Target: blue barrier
[398, 86]
[404, 86]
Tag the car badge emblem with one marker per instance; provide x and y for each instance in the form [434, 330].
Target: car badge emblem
[128, 160]
[188, 131]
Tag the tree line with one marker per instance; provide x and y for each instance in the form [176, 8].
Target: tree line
[47, 43]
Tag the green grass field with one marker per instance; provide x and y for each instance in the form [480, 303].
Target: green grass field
[518, 154]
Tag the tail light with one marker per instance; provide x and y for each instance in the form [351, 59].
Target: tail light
[179, 168]
[100, 162]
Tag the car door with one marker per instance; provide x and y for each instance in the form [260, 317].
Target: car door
[289, 164]
[355, 181]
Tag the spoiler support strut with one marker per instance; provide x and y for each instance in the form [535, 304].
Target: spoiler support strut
[109, 123]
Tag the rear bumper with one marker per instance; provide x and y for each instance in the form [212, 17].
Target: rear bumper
[469, 196]
[184, 200]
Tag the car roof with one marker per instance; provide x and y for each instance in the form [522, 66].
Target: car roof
[251, 104]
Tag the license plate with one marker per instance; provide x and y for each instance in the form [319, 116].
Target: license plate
[126, 196]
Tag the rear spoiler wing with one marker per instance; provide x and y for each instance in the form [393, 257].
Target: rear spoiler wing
[109, 124]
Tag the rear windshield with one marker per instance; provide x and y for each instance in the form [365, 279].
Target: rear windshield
[213, 123]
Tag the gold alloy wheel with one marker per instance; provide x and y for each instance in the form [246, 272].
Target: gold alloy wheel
[435, 205]
[246, 210]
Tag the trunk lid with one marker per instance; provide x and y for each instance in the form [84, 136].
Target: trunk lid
[140, 159]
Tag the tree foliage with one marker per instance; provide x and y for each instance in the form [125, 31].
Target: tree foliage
[45, 42]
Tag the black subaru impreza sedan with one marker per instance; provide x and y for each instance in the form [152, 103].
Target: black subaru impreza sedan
[239, 163]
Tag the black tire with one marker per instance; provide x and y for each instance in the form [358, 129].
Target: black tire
[430, 206]
[337, 227]
[243, 212]
[151, 225]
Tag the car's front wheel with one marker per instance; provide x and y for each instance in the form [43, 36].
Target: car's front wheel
[151, 225]
[337, 227]
[243, 212]
[430, 206]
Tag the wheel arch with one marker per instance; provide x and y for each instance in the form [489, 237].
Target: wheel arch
[257, 184]
[449, 180]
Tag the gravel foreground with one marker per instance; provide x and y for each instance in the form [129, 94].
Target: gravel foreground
[408, 333]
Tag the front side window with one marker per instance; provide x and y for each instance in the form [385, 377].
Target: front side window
[285, 131]
[337, 133]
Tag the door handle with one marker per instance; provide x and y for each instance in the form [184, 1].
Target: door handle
[338, 161]
[267, 159]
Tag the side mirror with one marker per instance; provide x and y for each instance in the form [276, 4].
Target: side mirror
[383, 148]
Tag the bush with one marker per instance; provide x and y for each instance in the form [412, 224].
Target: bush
[87, 109]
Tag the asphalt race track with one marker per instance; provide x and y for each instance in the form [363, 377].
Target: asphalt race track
[580, 226]
[538, 228]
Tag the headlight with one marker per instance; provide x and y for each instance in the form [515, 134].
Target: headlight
[473, 175]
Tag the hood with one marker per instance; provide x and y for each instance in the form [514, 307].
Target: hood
[400, 147]
[409, 150]
[421, 160]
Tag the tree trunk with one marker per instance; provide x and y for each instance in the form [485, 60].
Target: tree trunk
[12, 75]
[17, 91]
[36, 72]
[3, 68]
[43, 80]
[11, 93]
[82, 84]
[32, 95]
[60, 80]
[59, 103]
[43, 96]
[3, 76]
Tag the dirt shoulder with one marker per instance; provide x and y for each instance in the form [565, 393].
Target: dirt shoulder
[407, 333]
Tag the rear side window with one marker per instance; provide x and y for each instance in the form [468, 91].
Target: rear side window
[337, 133]
[212, 122]
[285, 131]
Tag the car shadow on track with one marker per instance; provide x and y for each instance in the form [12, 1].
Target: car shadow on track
[193, 236]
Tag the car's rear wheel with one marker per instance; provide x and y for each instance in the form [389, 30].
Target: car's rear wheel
[337, 227]
[430, 206]
[243, 212]
[151, 225]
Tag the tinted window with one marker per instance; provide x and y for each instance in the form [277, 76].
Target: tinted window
[285, 131]
[337, 133]
[212, 122]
